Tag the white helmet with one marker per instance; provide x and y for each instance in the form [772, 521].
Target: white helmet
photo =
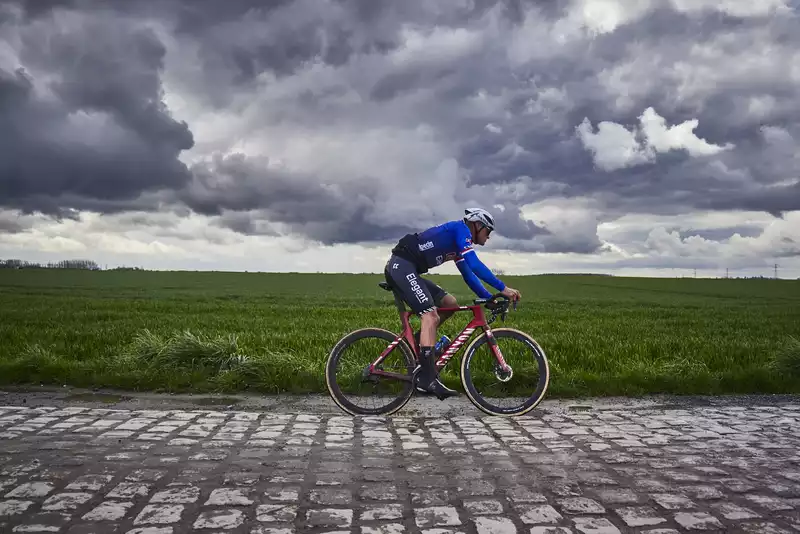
[480, 215]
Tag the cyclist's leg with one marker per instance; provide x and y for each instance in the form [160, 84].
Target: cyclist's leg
[416, 292]
[442, 299]
[403, 275]
[417, 295]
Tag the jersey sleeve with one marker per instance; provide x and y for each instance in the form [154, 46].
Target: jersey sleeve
[468, 263]
[483, 272]
[463, 239]
[472, 280]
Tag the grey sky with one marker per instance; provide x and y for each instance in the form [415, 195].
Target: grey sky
[320, 124]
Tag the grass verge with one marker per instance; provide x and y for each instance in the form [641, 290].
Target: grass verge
[232, 332]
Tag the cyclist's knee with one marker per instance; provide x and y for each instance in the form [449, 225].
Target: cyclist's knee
[449, 301]
[430, 317]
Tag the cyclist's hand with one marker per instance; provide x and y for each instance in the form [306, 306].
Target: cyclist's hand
[511, 293]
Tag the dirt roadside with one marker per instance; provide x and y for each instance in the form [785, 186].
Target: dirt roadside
[33, 396]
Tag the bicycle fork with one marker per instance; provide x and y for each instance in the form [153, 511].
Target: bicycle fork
[503, 371]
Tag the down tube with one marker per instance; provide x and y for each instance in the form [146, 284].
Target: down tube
[459, 340]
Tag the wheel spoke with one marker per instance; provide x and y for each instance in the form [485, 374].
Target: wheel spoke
[360, 392]
[527, 384]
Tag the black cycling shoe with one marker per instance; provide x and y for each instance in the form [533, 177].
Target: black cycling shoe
[436, 388]
[427, 382]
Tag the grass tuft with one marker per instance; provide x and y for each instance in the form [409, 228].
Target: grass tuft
[186, 351]
[787, 359]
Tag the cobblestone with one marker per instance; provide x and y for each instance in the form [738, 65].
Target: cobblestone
[80, 470]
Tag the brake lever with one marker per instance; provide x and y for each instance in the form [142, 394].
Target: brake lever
[505, 310]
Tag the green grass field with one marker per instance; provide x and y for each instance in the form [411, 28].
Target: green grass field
[234, 332]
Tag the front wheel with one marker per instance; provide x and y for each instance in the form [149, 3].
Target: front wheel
[511, 392]
[358, 391]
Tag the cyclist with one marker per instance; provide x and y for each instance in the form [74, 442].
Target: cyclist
[415, 254]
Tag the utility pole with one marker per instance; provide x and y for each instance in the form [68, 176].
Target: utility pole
[776, 271]
[727, 274]
[695, 272]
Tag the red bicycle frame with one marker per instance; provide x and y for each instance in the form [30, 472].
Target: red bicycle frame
[478, 321]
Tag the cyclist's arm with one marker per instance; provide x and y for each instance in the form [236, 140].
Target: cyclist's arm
[476, 266]
[469, 264]
[472, 280]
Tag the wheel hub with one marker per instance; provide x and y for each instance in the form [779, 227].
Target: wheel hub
[366, 376]
[503, 375]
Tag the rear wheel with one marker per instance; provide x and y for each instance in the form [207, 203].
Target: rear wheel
[495, 391]
[357, 391]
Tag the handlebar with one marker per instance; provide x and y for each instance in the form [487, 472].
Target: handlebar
[498, 305]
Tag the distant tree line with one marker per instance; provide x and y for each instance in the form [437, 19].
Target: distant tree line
[87, 265]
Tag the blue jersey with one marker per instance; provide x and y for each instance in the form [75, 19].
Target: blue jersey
[446, 242]
[451, 241]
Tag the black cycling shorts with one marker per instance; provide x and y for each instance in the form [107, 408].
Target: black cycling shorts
[419, 293]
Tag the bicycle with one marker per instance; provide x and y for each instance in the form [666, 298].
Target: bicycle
[472, 371]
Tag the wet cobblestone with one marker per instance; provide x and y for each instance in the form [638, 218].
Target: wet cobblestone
[721, 469]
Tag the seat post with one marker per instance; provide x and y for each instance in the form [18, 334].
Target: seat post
[398, 301]
[398, 298]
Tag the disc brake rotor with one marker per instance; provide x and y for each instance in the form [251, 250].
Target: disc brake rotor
[503, 376]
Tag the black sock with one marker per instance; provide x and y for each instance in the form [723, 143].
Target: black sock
[426, 361]
[426, 374]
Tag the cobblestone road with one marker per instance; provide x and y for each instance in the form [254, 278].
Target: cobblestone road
[85, 470]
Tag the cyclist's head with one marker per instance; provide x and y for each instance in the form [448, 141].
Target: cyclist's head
[481, 224]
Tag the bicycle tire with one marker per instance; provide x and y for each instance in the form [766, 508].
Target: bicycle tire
[335, 391]
[538, 355]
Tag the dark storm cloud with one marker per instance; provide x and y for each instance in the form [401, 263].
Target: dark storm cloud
[32, 10]
[239, 40]
[503, 86]
[656, 47]
[760, 174]
[256, 191]
[239, 184]
[82, 117]
[246, 223]
[16, 221]
[578, 243]
[11, 223]
[513, 226]
[545, 98]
